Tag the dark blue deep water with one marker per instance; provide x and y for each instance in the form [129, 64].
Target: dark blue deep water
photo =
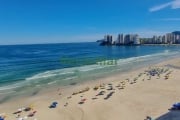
[27, 66]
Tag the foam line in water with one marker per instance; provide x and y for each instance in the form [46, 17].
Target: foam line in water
[41, 76]
[69, 78]
[145, 57]
[7, 92]
[8, 87]
[48, 74]
[52, 82]
[89, 68]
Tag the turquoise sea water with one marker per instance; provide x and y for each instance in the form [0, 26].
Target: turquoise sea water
[30, 67]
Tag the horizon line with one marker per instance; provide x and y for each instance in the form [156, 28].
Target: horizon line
[45, 43]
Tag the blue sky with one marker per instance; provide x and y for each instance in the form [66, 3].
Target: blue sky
[56, 21]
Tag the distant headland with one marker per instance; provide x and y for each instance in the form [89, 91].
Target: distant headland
[134, 39]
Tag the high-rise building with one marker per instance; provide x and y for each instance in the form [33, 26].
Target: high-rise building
[177, 36]
[177, 39]
[108, 39]
[154, 40]
[164, 39]
[131, 39]
[170, 38]
[136, 39]
[127, 39]
[159, 40]
[120, 39]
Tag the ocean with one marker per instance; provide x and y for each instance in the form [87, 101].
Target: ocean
[33, 67]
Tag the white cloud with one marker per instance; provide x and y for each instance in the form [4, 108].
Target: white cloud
[175, 4]
[170, 19]
[159, 7]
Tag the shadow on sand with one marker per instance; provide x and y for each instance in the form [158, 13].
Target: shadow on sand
[171, 115]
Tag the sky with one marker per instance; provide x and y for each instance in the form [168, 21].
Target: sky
[61, 21]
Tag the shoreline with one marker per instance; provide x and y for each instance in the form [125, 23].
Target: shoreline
[124, 64]
[102, 79]
[54, 94]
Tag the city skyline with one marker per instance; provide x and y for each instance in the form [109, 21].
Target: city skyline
[135, 39]
[37, 21]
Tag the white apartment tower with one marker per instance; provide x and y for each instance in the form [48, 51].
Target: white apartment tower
[136, 39]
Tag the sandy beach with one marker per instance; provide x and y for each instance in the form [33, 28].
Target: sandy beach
[128, 96]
